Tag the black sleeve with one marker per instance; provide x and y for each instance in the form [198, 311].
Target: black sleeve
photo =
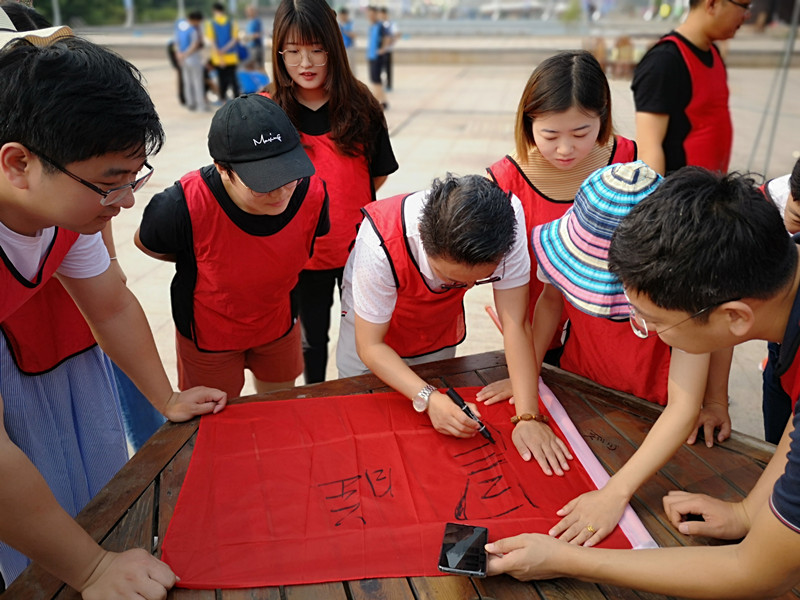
[661, 82]
[166, 227]
[324, 222]
[382, 162]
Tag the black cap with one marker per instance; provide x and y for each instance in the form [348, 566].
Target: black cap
[254, 136]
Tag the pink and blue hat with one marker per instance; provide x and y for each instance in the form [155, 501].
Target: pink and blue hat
[573, 251]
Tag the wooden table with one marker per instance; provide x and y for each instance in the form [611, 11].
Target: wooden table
[135, 507]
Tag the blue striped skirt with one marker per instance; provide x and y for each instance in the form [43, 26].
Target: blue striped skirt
[68, 423]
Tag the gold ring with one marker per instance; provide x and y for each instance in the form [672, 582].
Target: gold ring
[590, 529]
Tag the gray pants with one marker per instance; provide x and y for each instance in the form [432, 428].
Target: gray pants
[194, 87]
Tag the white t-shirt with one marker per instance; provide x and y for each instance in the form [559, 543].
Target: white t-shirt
[778, 189]
[368, 286]
[87, 257]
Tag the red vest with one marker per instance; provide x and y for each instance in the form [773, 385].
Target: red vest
[349, 187]
[424, 320]
[539, 209]
[790, 381]
[710, 139]
[609, 353]
[241, 298]
[40, 321]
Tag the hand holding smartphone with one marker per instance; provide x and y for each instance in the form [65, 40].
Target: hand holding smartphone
[462, 550]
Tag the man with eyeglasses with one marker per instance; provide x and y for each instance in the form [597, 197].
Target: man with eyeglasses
[706, 264]
[414, 258]
[76, 127]
[680, 89]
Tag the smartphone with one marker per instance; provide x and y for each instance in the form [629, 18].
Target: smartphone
[462, 550]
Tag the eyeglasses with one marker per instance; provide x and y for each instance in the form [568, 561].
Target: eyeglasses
[743, 5]
[458, 285]
[111, 196]
[639, 325]
[293, 58]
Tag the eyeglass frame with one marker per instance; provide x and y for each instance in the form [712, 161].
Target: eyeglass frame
[460, 285]
[646, 334]
[299, 52]
[134, 186]
[747, 6]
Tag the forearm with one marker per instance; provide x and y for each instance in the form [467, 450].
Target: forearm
[158, 256]
[762, 490]
[546, 318]
[718, 373]
[34, 523]
[705, 572]
[651, 129]
[687, 382]
[387, 365]
[523, 367]
[377, 182]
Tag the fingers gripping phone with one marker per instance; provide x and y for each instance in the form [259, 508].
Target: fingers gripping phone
[462, 550]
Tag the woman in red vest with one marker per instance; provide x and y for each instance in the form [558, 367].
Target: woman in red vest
[563, 133]
[343, 130]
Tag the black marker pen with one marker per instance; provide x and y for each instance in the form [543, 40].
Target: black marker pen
[463, 406]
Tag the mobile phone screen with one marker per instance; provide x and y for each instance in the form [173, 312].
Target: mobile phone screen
[462, 550]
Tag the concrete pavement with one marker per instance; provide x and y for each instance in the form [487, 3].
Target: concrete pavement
[449, 117]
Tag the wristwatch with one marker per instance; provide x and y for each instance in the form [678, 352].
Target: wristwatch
[422, 398]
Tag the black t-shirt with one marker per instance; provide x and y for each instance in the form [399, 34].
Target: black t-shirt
[317, 122]
[167, 229]
[662, 85]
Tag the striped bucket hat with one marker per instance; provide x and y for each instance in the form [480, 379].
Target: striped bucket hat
[573, 250]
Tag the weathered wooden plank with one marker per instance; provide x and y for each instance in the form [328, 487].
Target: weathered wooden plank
[394, 588]
[264, 593]
[448, 587]
[170, 483]
[135, 529]
[504, 587]
[492, 374]
[317, 591]
[184, 594]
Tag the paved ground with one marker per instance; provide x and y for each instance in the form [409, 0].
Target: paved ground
[451, 117]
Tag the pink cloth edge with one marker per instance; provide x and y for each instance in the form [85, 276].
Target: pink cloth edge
[630, 523]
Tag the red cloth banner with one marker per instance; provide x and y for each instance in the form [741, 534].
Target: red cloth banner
[350, 487]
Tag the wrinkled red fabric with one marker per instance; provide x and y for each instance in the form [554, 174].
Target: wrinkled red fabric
[350, 487]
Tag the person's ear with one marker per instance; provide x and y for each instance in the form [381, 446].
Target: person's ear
[15, 164]
[222, 172]
[739, 317]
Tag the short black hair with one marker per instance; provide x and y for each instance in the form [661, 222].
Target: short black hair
[794, 182]
[218, 6]
[195, 15]
[573, 78]
[73, 100]
[23, 17]
[468, 220]
[703, 238]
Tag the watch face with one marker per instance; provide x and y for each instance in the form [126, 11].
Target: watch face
[419, 404]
